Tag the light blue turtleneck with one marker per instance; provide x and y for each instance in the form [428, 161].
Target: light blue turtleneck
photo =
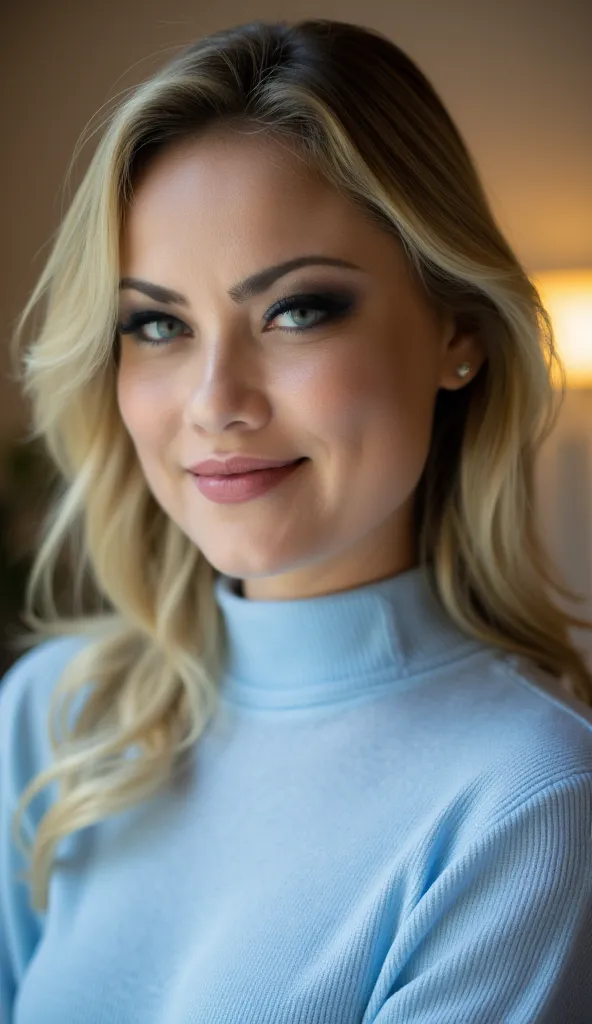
[387, 823]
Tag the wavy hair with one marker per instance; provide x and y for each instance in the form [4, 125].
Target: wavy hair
[357, 109]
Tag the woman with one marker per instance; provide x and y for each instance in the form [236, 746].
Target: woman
[324, 748]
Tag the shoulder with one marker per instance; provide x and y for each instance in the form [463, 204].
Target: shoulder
[546, 701]
[494, 730]
[34, 674]
[25, 695]
[531, 735]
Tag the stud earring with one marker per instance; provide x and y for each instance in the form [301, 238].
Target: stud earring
[463, 369]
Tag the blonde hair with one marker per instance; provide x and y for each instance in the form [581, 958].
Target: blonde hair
[354, 106]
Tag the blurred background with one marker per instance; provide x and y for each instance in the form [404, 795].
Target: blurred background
[516, 76]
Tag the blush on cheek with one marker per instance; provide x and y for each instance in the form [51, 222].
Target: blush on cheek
[132, 415]
[143, 402]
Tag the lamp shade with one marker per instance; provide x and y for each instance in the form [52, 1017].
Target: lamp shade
[567, 297]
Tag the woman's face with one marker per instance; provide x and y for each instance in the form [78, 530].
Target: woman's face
[347, 377]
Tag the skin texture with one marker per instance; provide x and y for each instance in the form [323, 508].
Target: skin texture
[356, 396]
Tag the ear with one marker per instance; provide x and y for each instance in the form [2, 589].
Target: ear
[460, 345]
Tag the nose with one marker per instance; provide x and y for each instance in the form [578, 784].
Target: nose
[229, 391]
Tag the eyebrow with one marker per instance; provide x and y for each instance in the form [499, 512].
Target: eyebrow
[251, 286]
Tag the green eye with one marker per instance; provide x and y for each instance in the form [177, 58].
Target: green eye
[153, 327]
[327, 307]
[160, 324]
[161, 329]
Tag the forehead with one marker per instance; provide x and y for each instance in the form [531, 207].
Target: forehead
[222, 175]
[219, 207]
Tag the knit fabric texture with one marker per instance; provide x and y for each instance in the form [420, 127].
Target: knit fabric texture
[386, 822]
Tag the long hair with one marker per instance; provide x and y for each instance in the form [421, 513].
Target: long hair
[357, 109]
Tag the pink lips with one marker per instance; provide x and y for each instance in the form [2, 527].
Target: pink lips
[243, 486]
[236, 464]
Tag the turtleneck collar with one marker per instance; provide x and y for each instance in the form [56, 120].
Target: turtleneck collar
[319, 650]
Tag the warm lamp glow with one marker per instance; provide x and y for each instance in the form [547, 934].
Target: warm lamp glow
[567, 297]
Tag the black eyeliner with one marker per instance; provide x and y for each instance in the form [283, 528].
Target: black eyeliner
[335, 303]
[141, 317]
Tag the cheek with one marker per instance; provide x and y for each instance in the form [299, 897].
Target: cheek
[401, 419]
[349, 399]
[145, 407]
[379, 412]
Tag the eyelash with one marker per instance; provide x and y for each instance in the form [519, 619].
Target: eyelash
[334, 304]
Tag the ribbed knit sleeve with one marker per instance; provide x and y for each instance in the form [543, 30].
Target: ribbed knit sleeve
[504, 932]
